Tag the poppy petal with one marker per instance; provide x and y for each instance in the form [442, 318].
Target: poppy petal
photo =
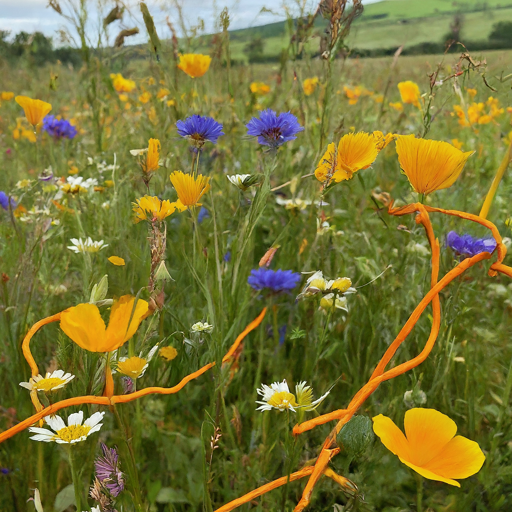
[391, 436]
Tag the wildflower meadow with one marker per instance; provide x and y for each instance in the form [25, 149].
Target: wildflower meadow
[269, 286]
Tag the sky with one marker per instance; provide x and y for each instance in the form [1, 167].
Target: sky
[33, 15]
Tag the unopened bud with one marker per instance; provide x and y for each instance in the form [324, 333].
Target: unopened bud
[99, 290]
[357, 435]
[162, 274]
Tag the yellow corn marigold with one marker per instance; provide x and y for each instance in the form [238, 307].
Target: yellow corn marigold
[6, 95]
[189, 188]
[35, 110]
[152, 208]
[194, 64]
[430, 445]
[430, 164]
[84, 325]
[309, 85]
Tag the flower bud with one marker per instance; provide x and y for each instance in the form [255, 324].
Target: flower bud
[357, 435]
[99, 290]
[342, 284]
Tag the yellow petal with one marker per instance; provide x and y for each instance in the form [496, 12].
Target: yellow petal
[460, 458]
[356, 151]
[35, 110]
[391, 436]
[116, 260]
[84, 325]
[428, 432]
[429, 474]
[118, 330]
[325, 166]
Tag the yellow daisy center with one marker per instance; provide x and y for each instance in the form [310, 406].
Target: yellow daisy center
[282, 400]
[72, 433]
[49, 384]
[132, 367]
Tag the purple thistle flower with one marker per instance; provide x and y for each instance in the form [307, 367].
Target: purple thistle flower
[468, 246]
[127, 385]
[274, 280]
[108, 472]
[59, 128]
[5, 200]
[274, 130]
[199, 129]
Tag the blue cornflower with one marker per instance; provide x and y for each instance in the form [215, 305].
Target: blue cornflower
[199, 129]
[59, 128]
[5, 199]
[203, 214]
[466, 245]
[273, 280]
[227, 257]
[274, 130]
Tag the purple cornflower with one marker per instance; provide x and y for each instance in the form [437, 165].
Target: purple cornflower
[274, 130]
[5, 200]
[108, 472]
[274, 280]
[199, 129]
[58, 128]
[468, 246]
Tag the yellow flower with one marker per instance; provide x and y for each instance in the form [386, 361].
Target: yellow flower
[6, 96]
[259, 88]
[145, 97]
[354, 93]
[457, 143]
[150, 156]
[383, 140]
[430, 446]
[309, 85]
[168, 353]
[153, 208]
[84, 325]
[122, 84]
[117, 261]
[471, 92]
[123, 97]
[397, 106]
[190, 189]
[35, 110]
[410, 93]
[194, 64]
[429, 164]
[356, 151]
[162, 93]
[133, 367]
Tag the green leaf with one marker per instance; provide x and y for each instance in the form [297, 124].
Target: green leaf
[170, 495]
[65, 498]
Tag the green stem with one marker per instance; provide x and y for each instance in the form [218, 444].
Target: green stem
[77, 484]
[275, 325]
[419, 493]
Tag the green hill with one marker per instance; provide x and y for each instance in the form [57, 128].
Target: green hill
[388, 24]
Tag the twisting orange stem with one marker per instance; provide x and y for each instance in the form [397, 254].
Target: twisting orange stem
[116, 399]
[25, 346]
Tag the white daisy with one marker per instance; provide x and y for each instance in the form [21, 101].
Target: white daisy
[202, 327]
[305, 396]
[74, 432]
[276, 396]
[86, 245]
[239, 180]
[50, 382]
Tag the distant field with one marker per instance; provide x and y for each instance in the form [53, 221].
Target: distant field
[390, 23]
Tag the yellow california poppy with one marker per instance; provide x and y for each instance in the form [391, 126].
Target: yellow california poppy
[430, 164]
[153, 155]
[190, 189]
[84, 325]
[194, 64]
[410, 93]
[259, 88]
[35, 110]
[122, 84]
[151, 207]
[430, 446]
[355, 151]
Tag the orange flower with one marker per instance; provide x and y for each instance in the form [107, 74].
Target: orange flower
[6, 96]
[84, 325]
[431, 447]
[259, 88]
[429, 164]
[35, 110]
[190, 189]
[194, 64]
[410, 93]
[355, 151]
[149, 157]
[122, 84]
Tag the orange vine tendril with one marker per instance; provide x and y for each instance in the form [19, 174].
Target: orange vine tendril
[115, 399]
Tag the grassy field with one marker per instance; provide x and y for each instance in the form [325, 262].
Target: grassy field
[188, 433]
